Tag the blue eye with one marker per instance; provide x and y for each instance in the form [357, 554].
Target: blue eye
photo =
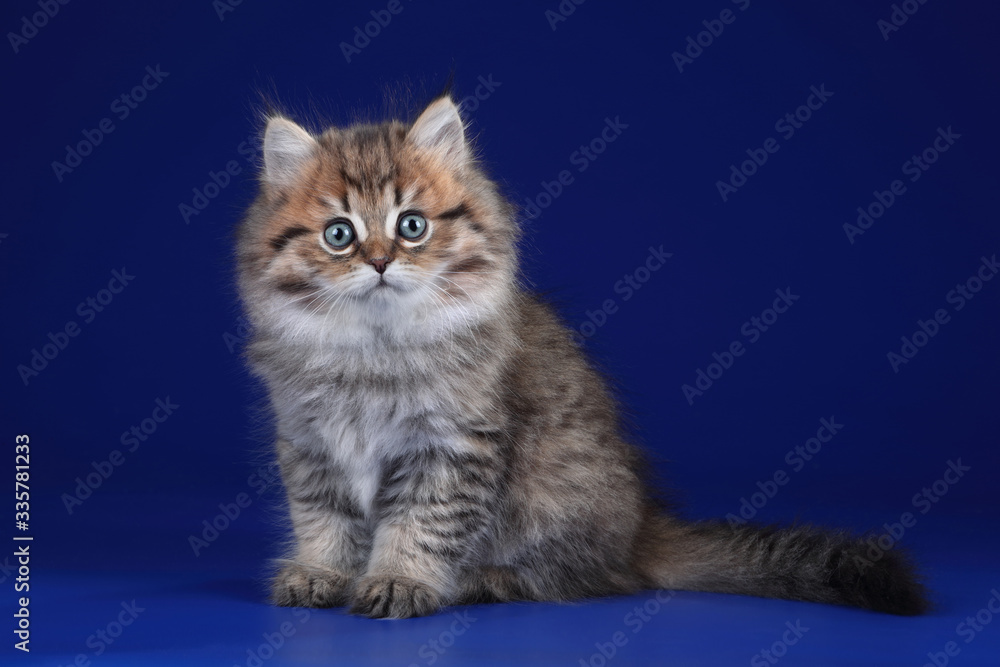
[339, 234]
[412, 226]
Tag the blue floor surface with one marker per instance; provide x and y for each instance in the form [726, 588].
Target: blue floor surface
[176, 608]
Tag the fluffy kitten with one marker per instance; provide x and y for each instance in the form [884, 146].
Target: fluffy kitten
[441, 439]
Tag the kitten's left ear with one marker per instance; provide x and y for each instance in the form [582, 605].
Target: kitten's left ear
[287, 150]
[440, 130]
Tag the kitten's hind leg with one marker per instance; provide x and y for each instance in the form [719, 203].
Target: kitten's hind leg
[552, 570]
[492, 584]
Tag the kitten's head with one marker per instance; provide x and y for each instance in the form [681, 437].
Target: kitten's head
[382, 225]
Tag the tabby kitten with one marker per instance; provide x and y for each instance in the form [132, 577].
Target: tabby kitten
[441, 439]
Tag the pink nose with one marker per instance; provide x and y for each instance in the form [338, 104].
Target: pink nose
[379, 263]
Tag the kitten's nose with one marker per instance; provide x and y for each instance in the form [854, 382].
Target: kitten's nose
[379, 263]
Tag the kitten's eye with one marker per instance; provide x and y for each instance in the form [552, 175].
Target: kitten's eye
[339, 234]
[412, 226]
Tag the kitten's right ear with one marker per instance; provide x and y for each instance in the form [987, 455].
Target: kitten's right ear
[287, 150]
[440, 130]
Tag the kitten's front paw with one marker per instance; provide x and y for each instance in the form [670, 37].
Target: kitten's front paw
[298, 585]
[394, 597]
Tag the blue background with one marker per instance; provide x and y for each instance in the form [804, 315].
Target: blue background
[169, 333]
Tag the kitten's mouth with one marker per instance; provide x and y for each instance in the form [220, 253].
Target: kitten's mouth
[383, 285]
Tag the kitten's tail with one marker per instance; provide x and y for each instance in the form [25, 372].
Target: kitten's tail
[800, 563]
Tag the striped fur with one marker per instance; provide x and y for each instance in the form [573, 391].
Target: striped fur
[441, 439]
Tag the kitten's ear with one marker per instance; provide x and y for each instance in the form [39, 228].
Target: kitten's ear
[287, 150]
[440, 130]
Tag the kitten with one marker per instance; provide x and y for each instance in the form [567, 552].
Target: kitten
[441, 439]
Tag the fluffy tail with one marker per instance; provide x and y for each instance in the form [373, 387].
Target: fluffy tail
[800, 563]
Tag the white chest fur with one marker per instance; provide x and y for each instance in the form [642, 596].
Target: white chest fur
[363, 393]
